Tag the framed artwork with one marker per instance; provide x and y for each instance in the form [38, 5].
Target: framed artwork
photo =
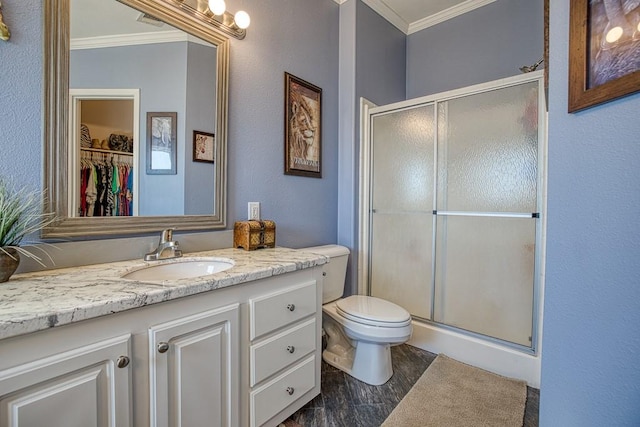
[161, 143]
[303, 118]
[604, 51]
[204, 144]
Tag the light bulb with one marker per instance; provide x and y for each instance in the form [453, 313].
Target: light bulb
[242, 19]
[217, 6]
[614, 34]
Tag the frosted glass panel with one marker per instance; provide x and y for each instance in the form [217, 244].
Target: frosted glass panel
[484, 275]
[403, 160]
[401, 260]
[487, 151]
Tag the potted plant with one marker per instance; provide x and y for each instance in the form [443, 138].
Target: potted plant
[20, 215]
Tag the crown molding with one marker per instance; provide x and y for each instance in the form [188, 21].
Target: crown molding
[132, 39]
[447, 14]
[387, 13]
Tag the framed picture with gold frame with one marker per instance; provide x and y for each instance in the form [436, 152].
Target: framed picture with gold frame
[604, 51]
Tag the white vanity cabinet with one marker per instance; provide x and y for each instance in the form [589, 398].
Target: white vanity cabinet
[194, 369]
[242, 355]
[84, 386]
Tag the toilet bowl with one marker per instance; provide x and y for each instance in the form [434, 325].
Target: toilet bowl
[359, 329]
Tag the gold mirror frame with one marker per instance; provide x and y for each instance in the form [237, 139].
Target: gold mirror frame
[56, 127]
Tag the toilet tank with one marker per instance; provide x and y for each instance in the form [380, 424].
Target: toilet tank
[335, 271]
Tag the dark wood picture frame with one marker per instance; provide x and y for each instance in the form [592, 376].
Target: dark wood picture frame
[597, 71]
[302, 127]
[204, 147]
[162, 143]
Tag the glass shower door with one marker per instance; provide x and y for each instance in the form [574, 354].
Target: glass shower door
[402, 200]
[487, 208]
[453, 210]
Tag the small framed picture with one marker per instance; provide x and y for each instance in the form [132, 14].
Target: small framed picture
[303, 119]
[161, 143]
[204, 147]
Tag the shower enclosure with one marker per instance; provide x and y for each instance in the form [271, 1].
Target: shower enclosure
[452, 195]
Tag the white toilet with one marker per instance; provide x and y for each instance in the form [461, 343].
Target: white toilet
[359, 329]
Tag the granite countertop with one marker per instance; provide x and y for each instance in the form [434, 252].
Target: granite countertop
[31, 302]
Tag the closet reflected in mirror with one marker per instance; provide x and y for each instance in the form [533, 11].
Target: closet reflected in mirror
[123, 64]
[105, 152]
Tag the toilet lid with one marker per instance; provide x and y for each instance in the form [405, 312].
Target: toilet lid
[373, 311]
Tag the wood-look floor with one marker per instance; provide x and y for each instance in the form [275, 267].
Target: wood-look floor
[345, 401]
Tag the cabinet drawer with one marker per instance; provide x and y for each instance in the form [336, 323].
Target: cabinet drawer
[281, 350]
[273, 397]
[282, 308]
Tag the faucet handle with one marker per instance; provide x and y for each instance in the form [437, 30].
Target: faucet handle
[167, 235]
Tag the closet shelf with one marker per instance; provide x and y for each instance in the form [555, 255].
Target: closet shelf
[100, 150]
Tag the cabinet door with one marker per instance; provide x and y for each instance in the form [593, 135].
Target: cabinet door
[85, 387]
[194, 370]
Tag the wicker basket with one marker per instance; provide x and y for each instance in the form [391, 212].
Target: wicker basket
[251, 235]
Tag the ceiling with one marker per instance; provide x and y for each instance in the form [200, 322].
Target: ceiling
[407, 15]
[414, 15]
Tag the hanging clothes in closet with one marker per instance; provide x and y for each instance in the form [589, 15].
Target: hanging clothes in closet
[106, 184]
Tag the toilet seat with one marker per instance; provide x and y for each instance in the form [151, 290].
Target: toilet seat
[373, 311]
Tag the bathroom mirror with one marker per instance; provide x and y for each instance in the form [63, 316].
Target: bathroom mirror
[60, 149]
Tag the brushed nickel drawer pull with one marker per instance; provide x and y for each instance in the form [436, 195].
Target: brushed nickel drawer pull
[290, 390]
[163, 347]
[122, 362]
[291, 307]
[291, 349]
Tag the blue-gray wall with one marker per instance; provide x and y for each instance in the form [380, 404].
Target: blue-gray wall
[488, 43]
[21, 61]
[381, 59]
[300, 37]
[591, 338]
[201, 109]
[373, 66]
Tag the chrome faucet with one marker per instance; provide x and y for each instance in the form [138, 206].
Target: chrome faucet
[167, 248]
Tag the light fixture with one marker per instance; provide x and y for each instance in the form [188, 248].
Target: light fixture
[242, 19]
[213, 13]
[217, 6]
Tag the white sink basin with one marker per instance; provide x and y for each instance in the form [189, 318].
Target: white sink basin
[181, 268]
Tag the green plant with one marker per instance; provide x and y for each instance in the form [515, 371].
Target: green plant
[20, 215]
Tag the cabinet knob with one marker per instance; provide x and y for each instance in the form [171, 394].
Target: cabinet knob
[291, 307]
[122, 362]
[324, 273]
[163, 347]
[291, 349]
[290, 390]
